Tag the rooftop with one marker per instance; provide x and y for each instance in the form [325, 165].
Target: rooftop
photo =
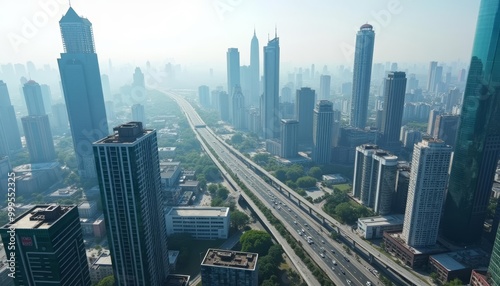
[232, 259]
[383, 220]
[177, 280]
[125, 133]
[104, 259]
[199, 211]
[40, 217]
[448, 262]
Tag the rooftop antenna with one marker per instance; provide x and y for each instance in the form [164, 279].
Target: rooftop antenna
[275, 30]
[69, 3]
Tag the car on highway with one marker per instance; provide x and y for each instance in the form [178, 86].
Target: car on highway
[322, 255]
[334, 262]
[295, 222]
[342, 270]
[346, 259]
[348, 281]
[322, 241]
[368, 283]
[333, 251]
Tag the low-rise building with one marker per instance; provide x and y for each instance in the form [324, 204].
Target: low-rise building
[226, 267]
[177, 280]
[479, 278]
[410, 256]
[64, 193]
[101, 268]
[200, 222]
[334, 179]
[190, 186]
[374, 227]
[169, 172]
[87, 209]
[457, 264]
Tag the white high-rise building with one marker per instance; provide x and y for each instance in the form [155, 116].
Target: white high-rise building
[428, 179]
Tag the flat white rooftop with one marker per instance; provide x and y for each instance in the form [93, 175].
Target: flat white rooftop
[199, 211]
[382, 220]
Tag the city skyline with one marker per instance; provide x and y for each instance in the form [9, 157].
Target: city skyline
[233, 25]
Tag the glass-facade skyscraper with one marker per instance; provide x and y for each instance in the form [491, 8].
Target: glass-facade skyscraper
[254, 97]
[81, 83]
[270, 117]
[362, 71]
[478, 137]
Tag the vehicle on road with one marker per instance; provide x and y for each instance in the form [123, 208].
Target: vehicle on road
[333, 251]
[322, 255]
[295, 222]
[334, 262]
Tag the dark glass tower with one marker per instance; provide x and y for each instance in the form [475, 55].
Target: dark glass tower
[392, 115]
[128, 169]
[362, 71]
[304, 110]
[48, 246]
[270, 99]
[478, 137]
[10, 140]
[322, 132]
[81, 82]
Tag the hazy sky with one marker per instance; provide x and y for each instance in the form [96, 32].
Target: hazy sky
[199, 32]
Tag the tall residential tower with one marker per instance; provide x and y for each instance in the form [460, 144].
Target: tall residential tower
[128, 170]
[270, 118]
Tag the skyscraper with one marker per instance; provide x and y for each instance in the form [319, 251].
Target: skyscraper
[138, 78]
[233, 77]
[47, 98]
[363, 56]
[238, 104]
[431, 82]
[478, 139]
[223, 105]
[138, 113]
[128, 169]
[34, 99]
[304, 107]
[254, 72]
[81, 83]
[392, 114]
[322, 132]
[9, 131]
[289, 130]
[36, 125]
[428, 179]
[270, 98]
[48, 247]
[324, 87]
[39, 138]
[204, 96]
[59, 118]
[446, 128]
[375, 178]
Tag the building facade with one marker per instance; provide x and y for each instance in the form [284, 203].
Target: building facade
[10, 138]
[39, 138]
[426, 191]
[392, 114]
[200, 222]
[289, 132]
[254, 97]
[81, 84]
[322, 132]
[48, 247]
[270, 98]
[129, 178]
[363, 57]
[138, 113]
[324, 87]
[472, 172]
[304, 112]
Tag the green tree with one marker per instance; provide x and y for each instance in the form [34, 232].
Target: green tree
[212, 189]
[346, 212]
[280, 174]
[217, 202]
[435, 278]
[454, 282]
[107, 281]
[222, 193]
[276, 253]
[211, 173]
[239, 219]
[256, 241]
[294, 173]
[261, 159]
[315, 172]
[237, 139]
[291, 184]
[306, 182]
